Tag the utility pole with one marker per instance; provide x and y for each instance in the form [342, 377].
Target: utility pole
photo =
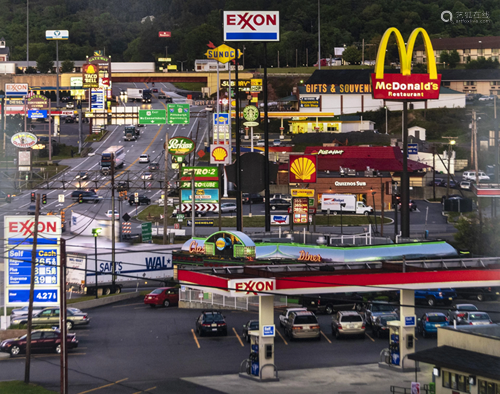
[113, 237]
[32, 291]
[165, 203]
[63, 320]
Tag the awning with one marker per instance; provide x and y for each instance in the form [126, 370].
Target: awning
[472, 363]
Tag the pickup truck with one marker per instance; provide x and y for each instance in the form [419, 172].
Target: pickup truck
[284, 315]
[330, 303]
[435, 296]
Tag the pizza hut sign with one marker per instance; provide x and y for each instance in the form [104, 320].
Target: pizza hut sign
[24, 140]
[251, 287]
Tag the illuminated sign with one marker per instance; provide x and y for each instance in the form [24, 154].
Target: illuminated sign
[223, 53]
[249, 287]
[306, 256]
[300, 208]
[330, 152]
[302, 192]
[180, 146]
[309, 102]
[302, 168]
[342, 88]
[357, 183]
[406, 85]
[195, 248]
[251, 26]
[219, 154]
[90, 73]
[24, 140]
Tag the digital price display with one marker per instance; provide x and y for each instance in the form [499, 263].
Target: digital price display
[300, 206]
[45, 268]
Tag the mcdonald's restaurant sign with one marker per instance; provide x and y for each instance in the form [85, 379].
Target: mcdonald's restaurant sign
[406, 86]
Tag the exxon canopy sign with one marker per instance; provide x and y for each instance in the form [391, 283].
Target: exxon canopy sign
[16, 89]
[251, 287]
[251, 26]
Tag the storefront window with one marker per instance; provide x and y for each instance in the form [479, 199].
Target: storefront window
[446, 379]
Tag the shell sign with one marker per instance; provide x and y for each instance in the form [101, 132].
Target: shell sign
[219, 154]
[24, 140]
[303, 168]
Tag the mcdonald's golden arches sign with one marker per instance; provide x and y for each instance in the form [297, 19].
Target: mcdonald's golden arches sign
[406, 86]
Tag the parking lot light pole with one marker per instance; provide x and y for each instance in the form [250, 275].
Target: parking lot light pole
[342, 205]
[95, 233]
[374, 210]
[450, 151]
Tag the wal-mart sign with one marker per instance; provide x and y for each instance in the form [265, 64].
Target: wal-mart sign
[251, 26]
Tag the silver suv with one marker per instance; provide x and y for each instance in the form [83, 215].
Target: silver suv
[471, 176]
[348, 323]
[302, 324]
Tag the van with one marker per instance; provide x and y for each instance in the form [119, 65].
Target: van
[471, 176]
[302, 324]
[87, 196]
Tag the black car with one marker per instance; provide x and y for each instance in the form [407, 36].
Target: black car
[86, 196]
[210, 322]
[379, 326]
[122, 186]
[436, 182]
[31, 209]
[41, 341]
[278, 203]
[142, 200]
[251, 198]
[154, 166]
[330, 303]
[70, 119]
[252, 325]
[479, 293]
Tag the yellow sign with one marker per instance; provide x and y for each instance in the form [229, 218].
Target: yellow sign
[255, 100]
[223, 53]
[302, 193]
[173, 67]
[256, 82]
[164, 59]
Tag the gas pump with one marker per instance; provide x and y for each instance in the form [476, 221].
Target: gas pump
[254, 354]
[394, 342]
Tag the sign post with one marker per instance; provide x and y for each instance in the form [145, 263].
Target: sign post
[57, 35]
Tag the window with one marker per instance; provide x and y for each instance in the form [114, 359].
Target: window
[446, 379]
[446, 83]
[486, 387]
[457, 381]
[466, 51]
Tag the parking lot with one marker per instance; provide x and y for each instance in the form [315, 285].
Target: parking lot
[129, 347]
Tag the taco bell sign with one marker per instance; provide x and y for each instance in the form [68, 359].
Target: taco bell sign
[251, 26]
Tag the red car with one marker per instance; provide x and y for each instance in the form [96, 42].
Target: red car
[155, 90]
[165, 296]
[44, 340]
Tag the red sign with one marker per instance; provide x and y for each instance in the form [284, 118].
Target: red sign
[302, 168]
[105, 81]
[26, 227]
[406, 87]
[164, 34]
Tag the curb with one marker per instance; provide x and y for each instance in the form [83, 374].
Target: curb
[104, 301]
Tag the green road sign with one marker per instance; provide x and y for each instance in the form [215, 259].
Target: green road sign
[201, 172]
[180, 217]
[178, 113]
[200, 184]
[152, 116]
[147, 232]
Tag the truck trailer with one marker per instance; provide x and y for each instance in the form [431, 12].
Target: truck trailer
[351, 205]
[134, 94]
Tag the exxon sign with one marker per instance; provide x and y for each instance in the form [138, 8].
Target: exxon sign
[251, 287]
[251, 26]
[23, 226]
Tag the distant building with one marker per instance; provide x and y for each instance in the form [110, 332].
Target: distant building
[417, 132]
[485, 82]
[469, 48]
[4, 51]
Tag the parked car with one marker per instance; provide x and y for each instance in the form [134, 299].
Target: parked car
[466, 185]
[278, 203]
[50, 317]
[284, 315]
[348, 323]
[228, 207]
[302, 324]
[251, 198]
[378, 308]
[86, 195]
[286, 197]
[458, 311]
[142, 200]
[379, 326]
[251, 325]
[210, 322]
[261, 143]
[471, 176]
[144, 158]
[435, 296]
[331, 303]
[154, 167]
[479, 293]
[41, 341]
[474, 319]
[24, 311]
[430, 322]
[486, 98]
[436, 182]
[444, 183]
[109, 213]
[165, 296]
[69, 119]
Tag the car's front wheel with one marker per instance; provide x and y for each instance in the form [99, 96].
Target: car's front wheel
[480, 297]
[166, 303]
[58, 349]
[69, 324]
[15, 350]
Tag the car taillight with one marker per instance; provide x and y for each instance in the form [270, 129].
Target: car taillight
[314, 327]
[221, 324]
[427, 319]
[491, 322]
[206, 325]
[461, 315]
[339, 327]
[363, 326]
[470, 324]
[297, 328]
[84, 317]
[73, 339]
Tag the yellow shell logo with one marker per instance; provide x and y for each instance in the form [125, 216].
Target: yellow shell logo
[219, 154]
[303, 168]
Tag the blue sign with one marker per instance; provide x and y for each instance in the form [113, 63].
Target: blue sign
[97, 100]
[280, 220]
[37, 114]
[222, 120]
[48, 296]
[268, 331]
[410, 321]
[20, 267]
[413, 149]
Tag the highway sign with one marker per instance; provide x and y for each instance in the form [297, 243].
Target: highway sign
[152, 116]
[178, 113]
[146, 232]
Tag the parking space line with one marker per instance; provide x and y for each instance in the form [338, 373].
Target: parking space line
[237, 336]
[279, 333]
[101, 387]
[322, 333]
[195, 339]
[143, 391]
[373, 340]
[142, 307]
[121, 306]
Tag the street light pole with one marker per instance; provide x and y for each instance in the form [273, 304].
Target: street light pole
[374, 210]
[386, 125]
[319, 38]
[342, 205]
[452, 142]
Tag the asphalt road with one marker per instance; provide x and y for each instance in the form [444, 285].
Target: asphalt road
[129, 347]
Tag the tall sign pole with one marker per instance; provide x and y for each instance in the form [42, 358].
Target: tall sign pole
[266, 148]
[57, 35]
[165, 203]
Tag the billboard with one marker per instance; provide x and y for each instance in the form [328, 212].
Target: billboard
[56, 34]
[18, 248]
[251, 26]
[405, 86]
[303, 168]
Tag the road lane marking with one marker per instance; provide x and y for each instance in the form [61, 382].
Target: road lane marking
[279, 333]
[322, 333]
[195, 339]
[101, 387]
[237, 336]
[143, 391]
[373, 340]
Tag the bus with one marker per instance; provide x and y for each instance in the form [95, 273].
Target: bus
[116, 153]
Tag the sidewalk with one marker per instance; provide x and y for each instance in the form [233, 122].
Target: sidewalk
[354, 379]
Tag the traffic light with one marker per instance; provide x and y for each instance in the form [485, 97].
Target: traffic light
[63, 214]
[33, 197]
[9, 198]
[44, 199]
[80, 198]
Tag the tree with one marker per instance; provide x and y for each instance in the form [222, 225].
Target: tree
[454, 58]
[67, 66]
[444, 57]
[480, 239]
[481, 63]
[351, 55]
[44, 63]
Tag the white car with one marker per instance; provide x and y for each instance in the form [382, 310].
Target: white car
[108, 213]
[261, 143]
[486, 98]
[466, 185]
[284, 315]
[228, 207]
[144, 159]
[147, 176]
[471, 176]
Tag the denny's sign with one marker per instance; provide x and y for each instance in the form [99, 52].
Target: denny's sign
[405, 86]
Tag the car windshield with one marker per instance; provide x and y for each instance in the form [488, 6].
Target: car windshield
[213, 317]
[253, 325]
[436, 318]
[466, 308]
[385, 319]
[157, 291]
[382, 308]
[478, 316]
[351, 319]
[306, 320]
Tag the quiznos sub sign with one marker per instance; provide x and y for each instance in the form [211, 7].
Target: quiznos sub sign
[405, 86]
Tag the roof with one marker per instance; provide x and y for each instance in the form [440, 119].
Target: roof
[470, 75]
[473, 363]
[440, 44]
[287, 99]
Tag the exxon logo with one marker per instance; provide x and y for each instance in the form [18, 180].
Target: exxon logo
[27, 227]
[251, 286]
